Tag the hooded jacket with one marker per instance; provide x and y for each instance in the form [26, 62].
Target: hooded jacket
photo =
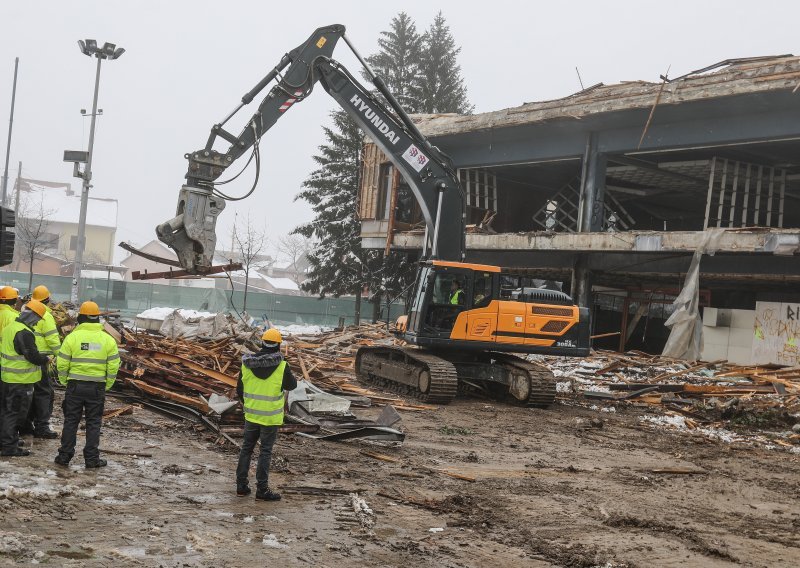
[263, 364]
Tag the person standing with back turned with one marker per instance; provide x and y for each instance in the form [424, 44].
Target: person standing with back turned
[87, 365]
[20, 369]
[264, 377]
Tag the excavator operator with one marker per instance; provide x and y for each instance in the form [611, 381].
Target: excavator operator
[456, 293]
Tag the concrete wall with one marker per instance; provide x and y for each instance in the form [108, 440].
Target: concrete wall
[728, 335]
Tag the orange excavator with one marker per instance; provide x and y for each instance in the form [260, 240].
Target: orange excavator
[465, 321]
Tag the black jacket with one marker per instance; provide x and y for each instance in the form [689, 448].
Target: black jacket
[263, 364]
[25, 345]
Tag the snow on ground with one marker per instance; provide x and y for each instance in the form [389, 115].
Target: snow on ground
[301, 329]
[162, 313]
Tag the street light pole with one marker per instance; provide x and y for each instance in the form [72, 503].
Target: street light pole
[108, 51]
[87, 183]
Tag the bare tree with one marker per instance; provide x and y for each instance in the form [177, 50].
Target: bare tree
[294, 247]
[33, 235]
[248, 241]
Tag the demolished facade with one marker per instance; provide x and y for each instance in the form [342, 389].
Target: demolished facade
[611, 190]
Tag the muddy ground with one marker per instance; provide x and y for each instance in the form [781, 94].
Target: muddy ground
[550, 490]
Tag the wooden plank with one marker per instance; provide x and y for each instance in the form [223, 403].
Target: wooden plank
[195, 403]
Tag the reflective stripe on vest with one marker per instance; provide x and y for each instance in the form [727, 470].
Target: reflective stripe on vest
[263, 398]
[92, 355]
[14, 368]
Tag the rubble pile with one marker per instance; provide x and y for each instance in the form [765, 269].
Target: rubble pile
[194, 376]
[718, 399]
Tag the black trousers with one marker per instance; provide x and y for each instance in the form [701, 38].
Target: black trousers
[38, 418]
[82, 398]
[253, 433]
[16, 402]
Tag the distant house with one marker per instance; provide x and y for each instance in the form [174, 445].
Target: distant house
[60, 206]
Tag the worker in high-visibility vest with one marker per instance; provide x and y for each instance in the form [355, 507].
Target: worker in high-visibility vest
[48, 343]
[8, 313]
[87, 365]
[264, 377]
[20, 369]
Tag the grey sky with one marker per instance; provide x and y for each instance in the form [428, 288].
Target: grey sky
[188, 63]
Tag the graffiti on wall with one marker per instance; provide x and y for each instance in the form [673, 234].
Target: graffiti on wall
[777, 330]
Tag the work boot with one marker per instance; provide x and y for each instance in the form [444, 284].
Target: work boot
[46, 434]
[243, 491]
[18, 452]
[61, 460]
[96, 463]
[267, 495]
[20, 443]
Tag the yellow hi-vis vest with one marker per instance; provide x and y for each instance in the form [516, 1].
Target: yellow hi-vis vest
[88, 354]
[15, 368]
[455, 297]
[7, 315]
[263, 398]
[46, 332]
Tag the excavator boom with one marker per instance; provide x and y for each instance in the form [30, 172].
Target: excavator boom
[191, 232]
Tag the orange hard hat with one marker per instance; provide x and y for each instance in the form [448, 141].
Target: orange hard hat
[8, 293]
[272, 335]
[89, 309]
[40, 293]
[37, 307]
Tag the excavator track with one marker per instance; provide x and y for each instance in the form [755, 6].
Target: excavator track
[408, 371]
[534, 385]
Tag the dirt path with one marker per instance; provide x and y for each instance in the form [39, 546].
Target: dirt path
[549, 491]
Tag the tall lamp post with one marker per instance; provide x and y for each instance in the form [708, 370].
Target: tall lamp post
[108, 51]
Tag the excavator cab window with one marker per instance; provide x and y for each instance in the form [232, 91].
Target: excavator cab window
[447, 298]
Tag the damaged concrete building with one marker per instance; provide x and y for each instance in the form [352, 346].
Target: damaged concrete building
[611, 190]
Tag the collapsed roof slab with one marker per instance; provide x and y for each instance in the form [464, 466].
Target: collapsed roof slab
[743, 102]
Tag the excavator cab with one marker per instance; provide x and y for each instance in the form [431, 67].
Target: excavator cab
[474, 306]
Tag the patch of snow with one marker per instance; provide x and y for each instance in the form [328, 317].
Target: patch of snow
[282, 283]
[248, 520]
[667, 420]
[271, 541]
[301, 329]
[565, 386]
[435, 529]
[162, 313]
[608, 409]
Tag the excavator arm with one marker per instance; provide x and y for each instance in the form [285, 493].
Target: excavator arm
[191, 233]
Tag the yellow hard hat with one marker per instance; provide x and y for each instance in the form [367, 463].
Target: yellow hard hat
[37, 307]
[272, 335]
[8, 293]
[40, 293]
[89, 309]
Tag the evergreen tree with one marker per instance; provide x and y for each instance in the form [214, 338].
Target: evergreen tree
[336, 263]
[441, 84]
[399, 62]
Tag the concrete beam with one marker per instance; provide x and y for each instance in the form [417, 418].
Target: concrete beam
[770, 241]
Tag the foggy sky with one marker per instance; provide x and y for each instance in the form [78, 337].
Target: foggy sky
[188, 63]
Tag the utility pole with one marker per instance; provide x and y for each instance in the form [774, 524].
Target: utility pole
[87, 183]
[108, 51]
[10, 125]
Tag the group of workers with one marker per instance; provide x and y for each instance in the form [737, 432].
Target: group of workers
[30, 348]
[87, 363]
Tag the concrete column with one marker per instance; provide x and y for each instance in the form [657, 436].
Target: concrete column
[581, 289]
[592, 216]
[593, 188]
